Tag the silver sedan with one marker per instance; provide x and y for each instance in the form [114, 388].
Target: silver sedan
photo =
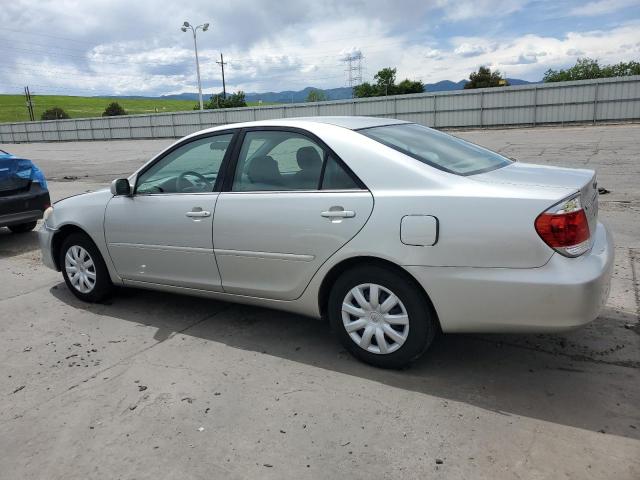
[391, 230]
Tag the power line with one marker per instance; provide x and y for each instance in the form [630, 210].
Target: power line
[371, 47]
[338, 40]
[69, 74]
[88, 58]
[74, 75]
[92, 91]
[38, 34]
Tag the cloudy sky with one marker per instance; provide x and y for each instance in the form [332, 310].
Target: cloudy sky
[135, 47]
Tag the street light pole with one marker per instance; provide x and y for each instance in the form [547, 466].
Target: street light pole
[204, 28]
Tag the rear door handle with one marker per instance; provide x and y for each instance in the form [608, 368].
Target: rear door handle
[198, 213]
[338, 214]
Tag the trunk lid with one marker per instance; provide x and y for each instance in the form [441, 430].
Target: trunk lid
[566, 181]
[15, 175]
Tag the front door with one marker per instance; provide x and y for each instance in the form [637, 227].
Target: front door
[291, 205]
[163, 233]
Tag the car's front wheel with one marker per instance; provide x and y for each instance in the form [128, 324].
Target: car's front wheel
[23, 227]
[83, 268]
[381, 316]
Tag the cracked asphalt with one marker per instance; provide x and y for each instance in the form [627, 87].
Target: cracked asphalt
[153, 385]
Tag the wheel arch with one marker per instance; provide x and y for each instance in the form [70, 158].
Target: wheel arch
[349, 263]
[59, 237]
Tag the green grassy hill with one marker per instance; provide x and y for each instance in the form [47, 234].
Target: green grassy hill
[13, 107]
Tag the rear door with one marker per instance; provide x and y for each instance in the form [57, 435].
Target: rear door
[289, 204]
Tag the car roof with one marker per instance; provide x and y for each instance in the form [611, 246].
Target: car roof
[349, 122]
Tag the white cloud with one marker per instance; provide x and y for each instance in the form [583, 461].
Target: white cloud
[352, 52]
[470, 49]
[527, 56]
[431, 53]
[575, 52]
[460, 10]
[601, 7]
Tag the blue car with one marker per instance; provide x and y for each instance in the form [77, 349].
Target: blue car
[23, 193]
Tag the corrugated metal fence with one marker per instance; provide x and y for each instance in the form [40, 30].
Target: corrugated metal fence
[610, 99]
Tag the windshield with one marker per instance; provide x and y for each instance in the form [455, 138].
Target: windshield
[437, 149]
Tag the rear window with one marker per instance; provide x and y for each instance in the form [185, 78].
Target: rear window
[437, 149]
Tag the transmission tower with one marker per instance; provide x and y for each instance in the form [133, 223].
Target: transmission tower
[353, 68]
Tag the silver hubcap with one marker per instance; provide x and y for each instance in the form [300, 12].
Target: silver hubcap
[80, 269]
[375, 318]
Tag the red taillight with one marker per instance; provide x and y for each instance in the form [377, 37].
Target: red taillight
[562, 230]
[565, 228]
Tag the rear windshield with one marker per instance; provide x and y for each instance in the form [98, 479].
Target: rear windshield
[437, 149]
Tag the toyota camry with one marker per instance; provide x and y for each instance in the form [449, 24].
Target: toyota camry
[391, 230]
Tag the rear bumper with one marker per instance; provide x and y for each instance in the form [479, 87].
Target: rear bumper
[23, 207]
[563, 294]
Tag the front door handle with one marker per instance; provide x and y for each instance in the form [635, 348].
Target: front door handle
[338, 214]
[198, 213]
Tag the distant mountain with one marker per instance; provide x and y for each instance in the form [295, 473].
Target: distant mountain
[517, 81]
[340, 93]
[289, 96]
[445, 86]
[184, 96]
[448, 85]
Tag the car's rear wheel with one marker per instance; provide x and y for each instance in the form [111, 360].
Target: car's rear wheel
[83, 268]
[381, 316]
[23, 227]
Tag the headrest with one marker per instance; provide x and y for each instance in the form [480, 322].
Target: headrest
[264, 170]
[308, 158]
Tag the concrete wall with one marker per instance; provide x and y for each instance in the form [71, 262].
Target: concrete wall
[609, 99]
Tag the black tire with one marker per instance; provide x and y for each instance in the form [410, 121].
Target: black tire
[23, 227]
[103, 286]
[422, 323]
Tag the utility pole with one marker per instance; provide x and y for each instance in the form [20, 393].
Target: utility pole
[27, 96]
[224, 87]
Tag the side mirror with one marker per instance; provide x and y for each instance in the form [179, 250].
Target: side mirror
[121, 187]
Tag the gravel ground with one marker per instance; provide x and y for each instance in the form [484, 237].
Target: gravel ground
[154, 385]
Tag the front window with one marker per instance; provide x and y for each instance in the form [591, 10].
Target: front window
[191, 168]
[437, 149]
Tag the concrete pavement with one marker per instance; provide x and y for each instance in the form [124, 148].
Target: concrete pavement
[153, 385]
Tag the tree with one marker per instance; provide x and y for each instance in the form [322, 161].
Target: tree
[114, 109]
[410, 86]
[316, 96]
[385, 80]
[364, 90]
[485, 78]
[55, 113]
[218, 100]
[588, 69]
[386, 85]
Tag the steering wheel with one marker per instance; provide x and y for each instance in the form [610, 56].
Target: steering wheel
[183, 184]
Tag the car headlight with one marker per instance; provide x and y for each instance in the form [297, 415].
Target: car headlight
[47, 213]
